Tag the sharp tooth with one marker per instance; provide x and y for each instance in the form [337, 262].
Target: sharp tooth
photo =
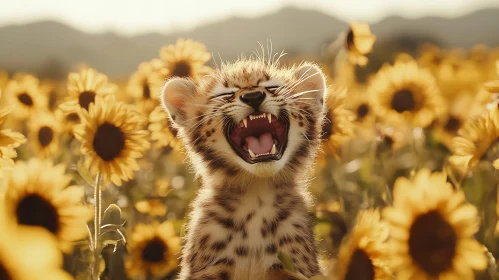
[274, 150]
[245, 122]
[269, 116]
[251, 153]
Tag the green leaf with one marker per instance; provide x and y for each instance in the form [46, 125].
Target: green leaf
[111, 242]
[172, 194]
[110, 227]
[84, 173]
[112, 215]
[112, 238]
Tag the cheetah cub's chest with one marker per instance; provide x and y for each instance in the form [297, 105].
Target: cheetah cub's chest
[251, 229]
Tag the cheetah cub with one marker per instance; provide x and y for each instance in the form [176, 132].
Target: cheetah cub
[251, 131]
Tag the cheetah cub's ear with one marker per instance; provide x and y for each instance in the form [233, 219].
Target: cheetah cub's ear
[312, 83]
[176, 95]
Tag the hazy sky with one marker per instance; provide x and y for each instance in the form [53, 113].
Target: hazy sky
[131, 17]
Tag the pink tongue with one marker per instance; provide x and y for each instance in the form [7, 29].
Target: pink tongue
[260, 145]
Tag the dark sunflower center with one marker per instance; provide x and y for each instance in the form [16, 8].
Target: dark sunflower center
[327, 126]
[154, 251]
[34, 210]
[109, 141]
[361, 267]
[388, 141]
[4, 274]
[52, 99]
[146, 91]
[437, 59]
[349, 40]
[86, 98]
[452, 125]
[403, 100]
[181, 69]
[25, 99]
[45, 136]
[73, 117]
[362, 111]
[432, 243]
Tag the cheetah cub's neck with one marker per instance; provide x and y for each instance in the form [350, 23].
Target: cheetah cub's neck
[251, 131]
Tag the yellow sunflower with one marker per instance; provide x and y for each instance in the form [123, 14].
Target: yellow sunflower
[488, 96]
[456, 73]
[4, 78]
[44, 131]
[406, 90]
[476, 137]
[338, 127]
[152, 206]
[9, 140]
[28, 253]
[53, 92]
[431, 230]
[479, 55]
[492, 87]
[24, 97]
[187, 58]
[162, 133]
[447, 129]
[360, 103]
[112, 137]
[162, 187]
[38, 195]
[431, 56]
[83, 87]
[459, 111]
[363, 254]
[154, 250]
[359, 41]
[144, 86]
[393, 133]
[67, 120]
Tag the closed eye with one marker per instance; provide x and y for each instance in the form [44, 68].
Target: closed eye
[225, 95]
[272, 89]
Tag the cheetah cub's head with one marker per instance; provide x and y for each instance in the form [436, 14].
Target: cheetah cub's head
[249, 116]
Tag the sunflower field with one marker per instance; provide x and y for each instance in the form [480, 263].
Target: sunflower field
[96, 185]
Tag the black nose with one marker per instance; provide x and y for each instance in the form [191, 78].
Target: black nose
[254, 99]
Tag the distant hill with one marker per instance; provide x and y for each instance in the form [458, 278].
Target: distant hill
[43, 45]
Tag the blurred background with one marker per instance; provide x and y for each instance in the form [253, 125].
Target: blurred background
[50, 38]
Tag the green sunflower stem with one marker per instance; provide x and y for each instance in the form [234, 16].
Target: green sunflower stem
[97, 225]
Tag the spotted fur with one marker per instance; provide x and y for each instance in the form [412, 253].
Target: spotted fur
[245, 214]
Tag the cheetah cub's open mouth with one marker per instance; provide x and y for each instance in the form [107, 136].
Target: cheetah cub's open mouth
[259, 137]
